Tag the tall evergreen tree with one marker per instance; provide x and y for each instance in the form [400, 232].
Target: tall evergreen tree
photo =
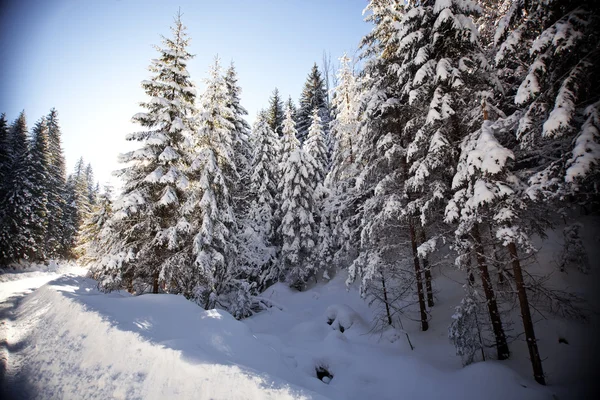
[297, 209]
[240, 138]
[147, 225]
[315, 147]
[312, 96]
[210, 202]
[344, 126]
[57, 205]
[5, 157]
[263, 206]
[18, 215]
[38, 166]
[90, 244]
[275, 113]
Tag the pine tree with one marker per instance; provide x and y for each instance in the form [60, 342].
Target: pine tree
[147, 227]
[210, 203]
[263, 206]
[344, 126]
[315, 147]
[297, 209]
[275, 113]
[241, 139]
[38, 164]
[18, 214]
[313, 96]
[90, 245]
[56, 191]
[5, 157]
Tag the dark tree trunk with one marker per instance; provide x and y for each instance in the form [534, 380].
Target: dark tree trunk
[413, 240]
[534, 354]
[385, 299]
[155, 283]
[427, 271]
[501, 344]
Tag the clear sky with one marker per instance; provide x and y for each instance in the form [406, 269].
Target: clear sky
[87, 58]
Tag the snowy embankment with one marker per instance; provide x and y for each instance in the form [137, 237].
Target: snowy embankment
[68, 340]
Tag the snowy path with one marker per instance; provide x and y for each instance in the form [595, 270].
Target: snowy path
[14, 286]
[67, 340]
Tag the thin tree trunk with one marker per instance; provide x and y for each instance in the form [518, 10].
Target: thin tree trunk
[385, 299]
[497, 262]
[413, 240]
[427, 271]
[155, 283]
[501, 344]
[534, 354]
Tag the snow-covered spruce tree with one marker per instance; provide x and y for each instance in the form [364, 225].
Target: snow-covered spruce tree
[344, 126]
[379, 199]
[19, 218]
[56, 191]
[340, 179]
[466, 329]
[315, 148]
[241, 140]
[38, 163]
[147, 227]
[547, 56]
[485, 191]
[5, 157]
[290, 104]
[275, 113]
[297, 209]
[263, 205]
[90, 244]
[312, 96]
[209, 204]
[92, 186]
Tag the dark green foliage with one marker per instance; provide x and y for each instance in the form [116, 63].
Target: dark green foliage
[275, 113]
[313, 96]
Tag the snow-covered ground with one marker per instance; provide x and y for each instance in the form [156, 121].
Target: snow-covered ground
[62, 338]
[67, 340]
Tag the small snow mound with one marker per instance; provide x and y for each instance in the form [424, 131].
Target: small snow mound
[342, 317]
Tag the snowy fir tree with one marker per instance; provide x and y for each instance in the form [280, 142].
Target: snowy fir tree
[344, 127]
[56, 246]
[275, 113]
[147, 225]
[315, 147]
[5, 156]
[297, 210]
[313, 96]
[90, 243]
[241, 139]
[263, 206]
[22, 214]
[209, 203]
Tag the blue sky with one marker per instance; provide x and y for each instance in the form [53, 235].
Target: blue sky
[87, 58]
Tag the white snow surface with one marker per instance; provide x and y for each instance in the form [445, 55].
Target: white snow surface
[68, 340]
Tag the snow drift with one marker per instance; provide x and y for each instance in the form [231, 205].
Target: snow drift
[76, 342]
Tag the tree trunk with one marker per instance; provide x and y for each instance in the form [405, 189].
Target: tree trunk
[534, 354]
[385, 299]
[155, 283]
[427, 271]
[413, 240]
[501, 345]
